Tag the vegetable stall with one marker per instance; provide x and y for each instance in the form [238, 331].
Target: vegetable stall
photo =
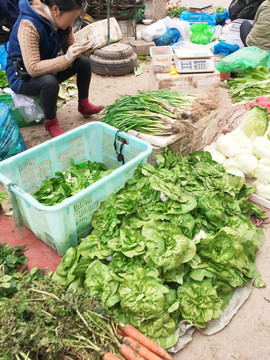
[172, 244]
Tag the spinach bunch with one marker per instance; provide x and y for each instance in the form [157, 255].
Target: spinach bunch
[69, 182]
[11, 258]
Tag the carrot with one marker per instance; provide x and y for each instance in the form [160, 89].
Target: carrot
[140, 349]
[120, 331]
[110, 356]
[131, 331]
[128, 353]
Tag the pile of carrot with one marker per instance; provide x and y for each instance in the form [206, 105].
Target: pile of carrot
[137, 346]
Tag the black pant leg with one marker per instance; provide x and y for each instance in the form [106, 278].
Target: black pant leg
[45, 86]
[245, 29]
[81, 67]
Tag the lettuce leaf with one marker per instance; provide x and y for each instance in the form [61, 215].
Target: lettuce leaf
[167, 246]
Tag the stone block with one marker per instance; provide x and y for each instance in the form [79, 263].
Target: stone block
[140, 46]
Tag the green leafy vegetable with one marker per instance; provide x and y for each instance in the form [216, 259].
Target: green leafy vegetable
[11, 258]
[199, 302]
[142, 295]
[172, 244]
[250, 84]
[4, 199]
[255, 122]
[138, 70]
[167, 246]
[70, 182]
[130, 242]
[177, 12]
[100, 283]
[3, 79]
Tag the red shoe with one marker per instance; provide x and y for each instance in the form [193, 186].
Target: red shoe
[87, 109]
[53, 127]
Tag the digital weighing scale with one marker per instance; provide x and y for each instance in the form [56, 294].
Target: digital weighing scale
[190, 61]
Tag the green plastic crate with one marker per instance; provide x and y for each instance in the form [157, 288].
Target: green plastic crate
[63, 225]
[7, 99]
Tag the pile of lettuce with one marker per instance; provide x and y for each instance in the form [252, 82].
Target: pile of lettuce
[173, 244]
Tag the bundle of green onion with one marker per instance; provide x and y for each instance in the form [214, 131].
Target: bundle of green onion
[151, 112]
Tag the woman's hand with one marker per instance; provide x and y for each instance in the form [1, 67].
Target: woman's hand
[75, 50]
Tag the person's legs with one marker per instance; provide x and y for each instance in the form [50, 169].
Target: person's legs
[47, 87]
[81, 67]
[245, 29]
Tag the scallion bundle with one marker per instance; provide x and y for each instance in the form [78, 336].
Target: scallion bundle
[151, 112]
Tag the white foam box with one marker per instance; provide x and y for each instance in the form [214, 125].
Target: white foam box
[98, 32]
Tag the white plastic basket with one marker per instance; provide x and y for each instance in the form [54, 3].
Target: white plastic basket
[161, 58]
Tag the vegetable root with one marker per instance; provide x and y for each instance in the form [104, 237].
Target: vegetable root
[120, 331]
[110, 356]
[140, 349]
[129, 353]
[131, 331]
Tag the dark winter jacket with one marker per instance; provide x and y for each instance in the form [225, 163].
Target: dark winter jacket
[50, 41]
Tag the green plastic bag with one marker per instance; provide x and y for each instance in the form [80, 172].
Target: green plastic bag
[247, 57]
[201, 33]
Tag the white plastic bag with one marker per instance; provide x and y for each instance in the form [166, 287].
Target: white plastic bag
[181, 25]
[154, 31]
[28, 106]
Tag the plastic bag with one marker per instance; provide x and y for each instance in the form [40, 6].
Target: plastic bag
[222, 17]
[154, 31]
[194, 18]
[11, 140]
[244, 58]
[28, 106]
[3, 56]
[170, 37]
[201, 33]
[224, 48]
[190, 47]
[182, 26]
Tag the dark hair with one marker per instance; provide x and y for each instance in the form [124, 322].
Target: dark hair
[64, 5]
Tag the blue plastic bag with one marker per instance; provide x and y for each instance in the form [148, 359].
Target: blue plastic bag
[170, 37]
[194, 18]
[225, 49]
[11, 140]
[3, 56]
[222, 17]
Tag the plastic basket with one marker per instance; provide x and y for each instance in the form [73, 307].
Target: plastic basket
[7, 99]
[161, 58]
[63, 225]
